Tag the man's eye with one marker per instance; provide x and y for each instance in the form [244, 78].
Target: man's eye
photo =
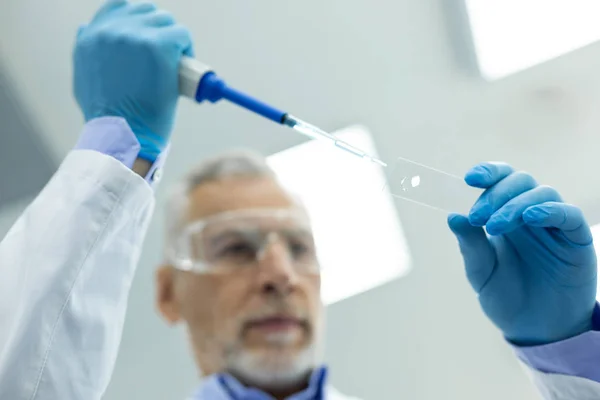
[238, 250]
[299, 249]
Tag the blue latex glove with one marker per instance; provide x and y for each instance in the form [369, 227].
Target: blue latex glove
[126, 63]
[535, 271]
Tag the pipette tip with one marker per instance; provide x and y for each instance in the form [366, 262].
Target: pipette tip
[378, 161]
[317, 133]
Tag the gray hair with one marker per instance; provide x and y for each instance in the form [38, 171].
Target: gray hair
[236, 163]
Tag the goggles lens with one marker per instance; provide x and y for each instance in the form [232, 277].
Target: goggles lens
[242, 239]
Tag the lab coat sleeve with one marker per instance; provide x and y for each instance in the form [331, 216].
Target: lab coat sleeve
[66, 267]
[568, 369]
[563, 387]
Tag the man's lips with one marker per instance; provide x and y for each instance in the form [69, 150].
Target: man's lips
[276, 323]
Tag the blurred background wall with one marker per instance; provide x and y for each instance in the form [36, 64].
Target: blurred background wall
[402, 69]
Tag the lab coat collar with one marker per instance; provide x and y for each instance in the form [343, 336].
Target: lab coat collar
[237, 391]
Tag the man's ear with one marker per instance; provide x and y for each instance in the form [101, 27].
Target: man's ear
[166, 301]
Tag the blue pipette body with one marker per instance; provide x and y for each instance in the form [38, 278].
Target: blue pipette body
[213, 89]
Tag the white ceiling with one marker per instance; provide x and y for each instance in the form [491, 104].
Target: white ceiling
[391, 67]
[560, 27]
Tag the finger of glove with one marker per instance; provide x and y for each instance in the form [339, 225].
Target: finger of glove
[142, 8]
[565, 217]
[478, 254]
[487, 174]
[179, 36]
[498, 195]
[159, 18]
[510, 216]
[189, 51]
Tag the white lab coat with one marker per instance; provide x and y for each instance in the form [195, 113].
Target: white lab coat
[66, 267]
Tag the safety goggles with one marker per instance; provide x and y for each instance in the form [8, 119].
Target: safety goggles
[239, 240]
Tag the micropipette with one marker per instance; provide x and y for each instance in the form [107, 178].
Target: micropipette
[199, 82]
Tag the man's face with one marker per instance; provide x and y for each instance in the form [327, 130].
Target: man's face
[260, 322]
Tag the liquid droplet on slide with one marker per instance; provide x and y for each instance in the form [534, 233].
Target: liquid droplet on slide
[415, 181]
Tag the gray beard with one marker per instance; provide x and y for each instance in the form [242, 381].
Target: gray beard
[264, 372]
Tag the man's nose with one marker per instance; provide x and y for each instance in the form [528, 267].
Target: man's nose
[276, 270]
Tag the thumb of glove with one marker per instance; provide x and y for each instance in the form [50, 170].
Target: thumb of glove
[477, 251]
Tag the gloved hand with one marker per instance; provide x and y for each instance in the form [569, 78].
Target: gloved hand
[535, 273]
[126, 63]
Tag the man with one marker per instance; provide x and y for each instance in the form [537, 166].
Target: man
[241, 271]
[244, 276]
